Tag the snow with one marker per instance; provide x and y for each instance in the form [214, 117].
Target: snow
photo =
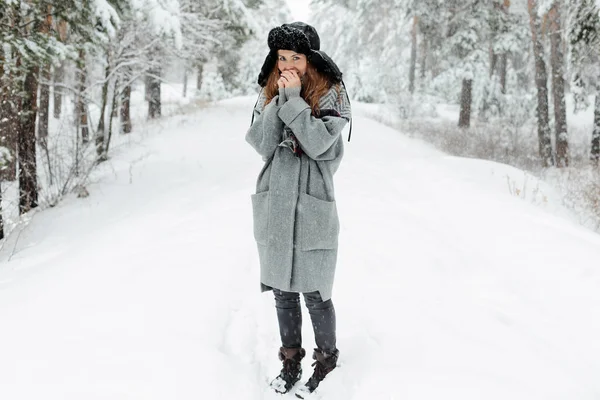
[451, 284]
[164, 17]
[106, 14]
[300, 9]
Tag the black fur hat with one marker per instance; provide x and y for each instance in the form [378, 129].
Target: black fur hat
[301, 38]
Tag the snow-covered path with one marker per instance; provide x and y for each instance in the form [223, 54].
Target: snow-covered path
[448, 286]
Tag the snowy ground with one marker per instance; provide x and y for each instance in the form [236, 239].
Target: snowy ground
[457, 279]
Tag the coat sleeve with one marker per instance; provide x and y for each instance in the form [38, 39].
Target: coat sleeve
[265, 134]
[320, 138]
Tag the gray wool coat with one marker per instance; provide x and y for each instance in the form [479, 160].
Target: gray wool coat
[296, 222]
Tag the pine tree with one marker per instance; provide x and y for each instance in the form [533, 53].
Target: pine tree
[558, 85]
[428, 16]
[468, 30]
[500, 28]
[238, 27]
[541, 78]
[59, 71]
[44, 103]
[584, 37]
[413, 54]
[29, 48]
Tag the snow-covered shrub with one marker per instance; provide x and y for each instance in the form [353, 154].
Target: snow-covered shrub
[213, 87]
[580, 188]
[483, 140]
[446, 86]
[415, 106]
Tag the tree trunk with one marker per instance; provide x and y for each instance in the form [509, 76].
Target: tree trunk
[10, 104]
[100, 131]
[1, 219]
[199, 77]
[488, 96]
[44, 109]
[504, 56]
[147, 88]
[115, 106]
[81, 110]
[59, 73]
[125, 110]
[502, 71]
[59, 76]
[541, 78]
[558, 87]
[44, 105]
[9, 119]
[5, 112]
[85, 129]
[185, 82]
[522, 72]
[424, 53]
[493, 61]
[595, 153]
[466, 96]
[154, 104]
[413, 55]
[110, 122]
[28, 193]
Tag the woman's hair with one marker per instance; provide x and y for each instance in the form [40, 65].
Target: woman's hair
[314, 86]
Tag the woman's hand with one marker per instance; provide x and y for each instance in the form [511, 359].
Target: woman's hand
[291, 79]
[281, 82]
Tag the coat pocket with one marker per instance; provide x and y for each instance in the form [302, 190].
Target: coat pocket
[319, 224]
[260, 212]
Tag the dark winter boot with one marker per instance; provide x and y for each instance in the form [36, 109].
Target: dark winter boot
[324, 364]
[291, 371]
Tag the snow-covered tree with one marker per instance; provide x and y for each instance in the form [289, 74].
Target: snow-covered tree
[28, 46]
[584, 38]
[541, 81]
[266, 14]
[242, 39]
[428, 29]
[557, 63]
[368, 43]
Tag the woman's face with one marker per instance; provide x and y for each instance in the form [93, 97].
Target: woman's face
[290, 60]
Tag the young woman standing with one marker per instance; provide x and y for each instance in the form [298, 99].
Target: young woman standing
[297, 125]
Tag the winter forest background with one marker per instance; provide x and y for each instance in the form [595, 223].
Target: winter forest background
[514, 82]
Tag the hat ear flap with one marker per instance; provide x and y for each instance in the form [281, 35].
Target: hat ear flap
[267, 67]
[325, 65]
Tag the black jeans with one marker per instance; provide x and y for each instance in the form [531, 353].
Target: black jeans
[289, 315]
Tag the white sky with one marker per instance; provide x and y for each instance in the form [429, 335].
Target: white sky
[299, 8]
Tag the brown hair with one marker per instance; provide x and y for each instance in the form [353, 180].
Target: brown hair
[314, 86]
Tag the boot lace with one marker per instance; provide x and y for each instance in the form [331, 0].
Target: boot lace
[320, 371]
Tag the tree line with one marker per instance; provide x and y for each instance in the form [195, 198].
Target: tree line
[78, 54]
[494, 57]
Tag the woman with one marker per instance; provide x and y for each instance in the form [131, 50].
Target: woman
[297, 125]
